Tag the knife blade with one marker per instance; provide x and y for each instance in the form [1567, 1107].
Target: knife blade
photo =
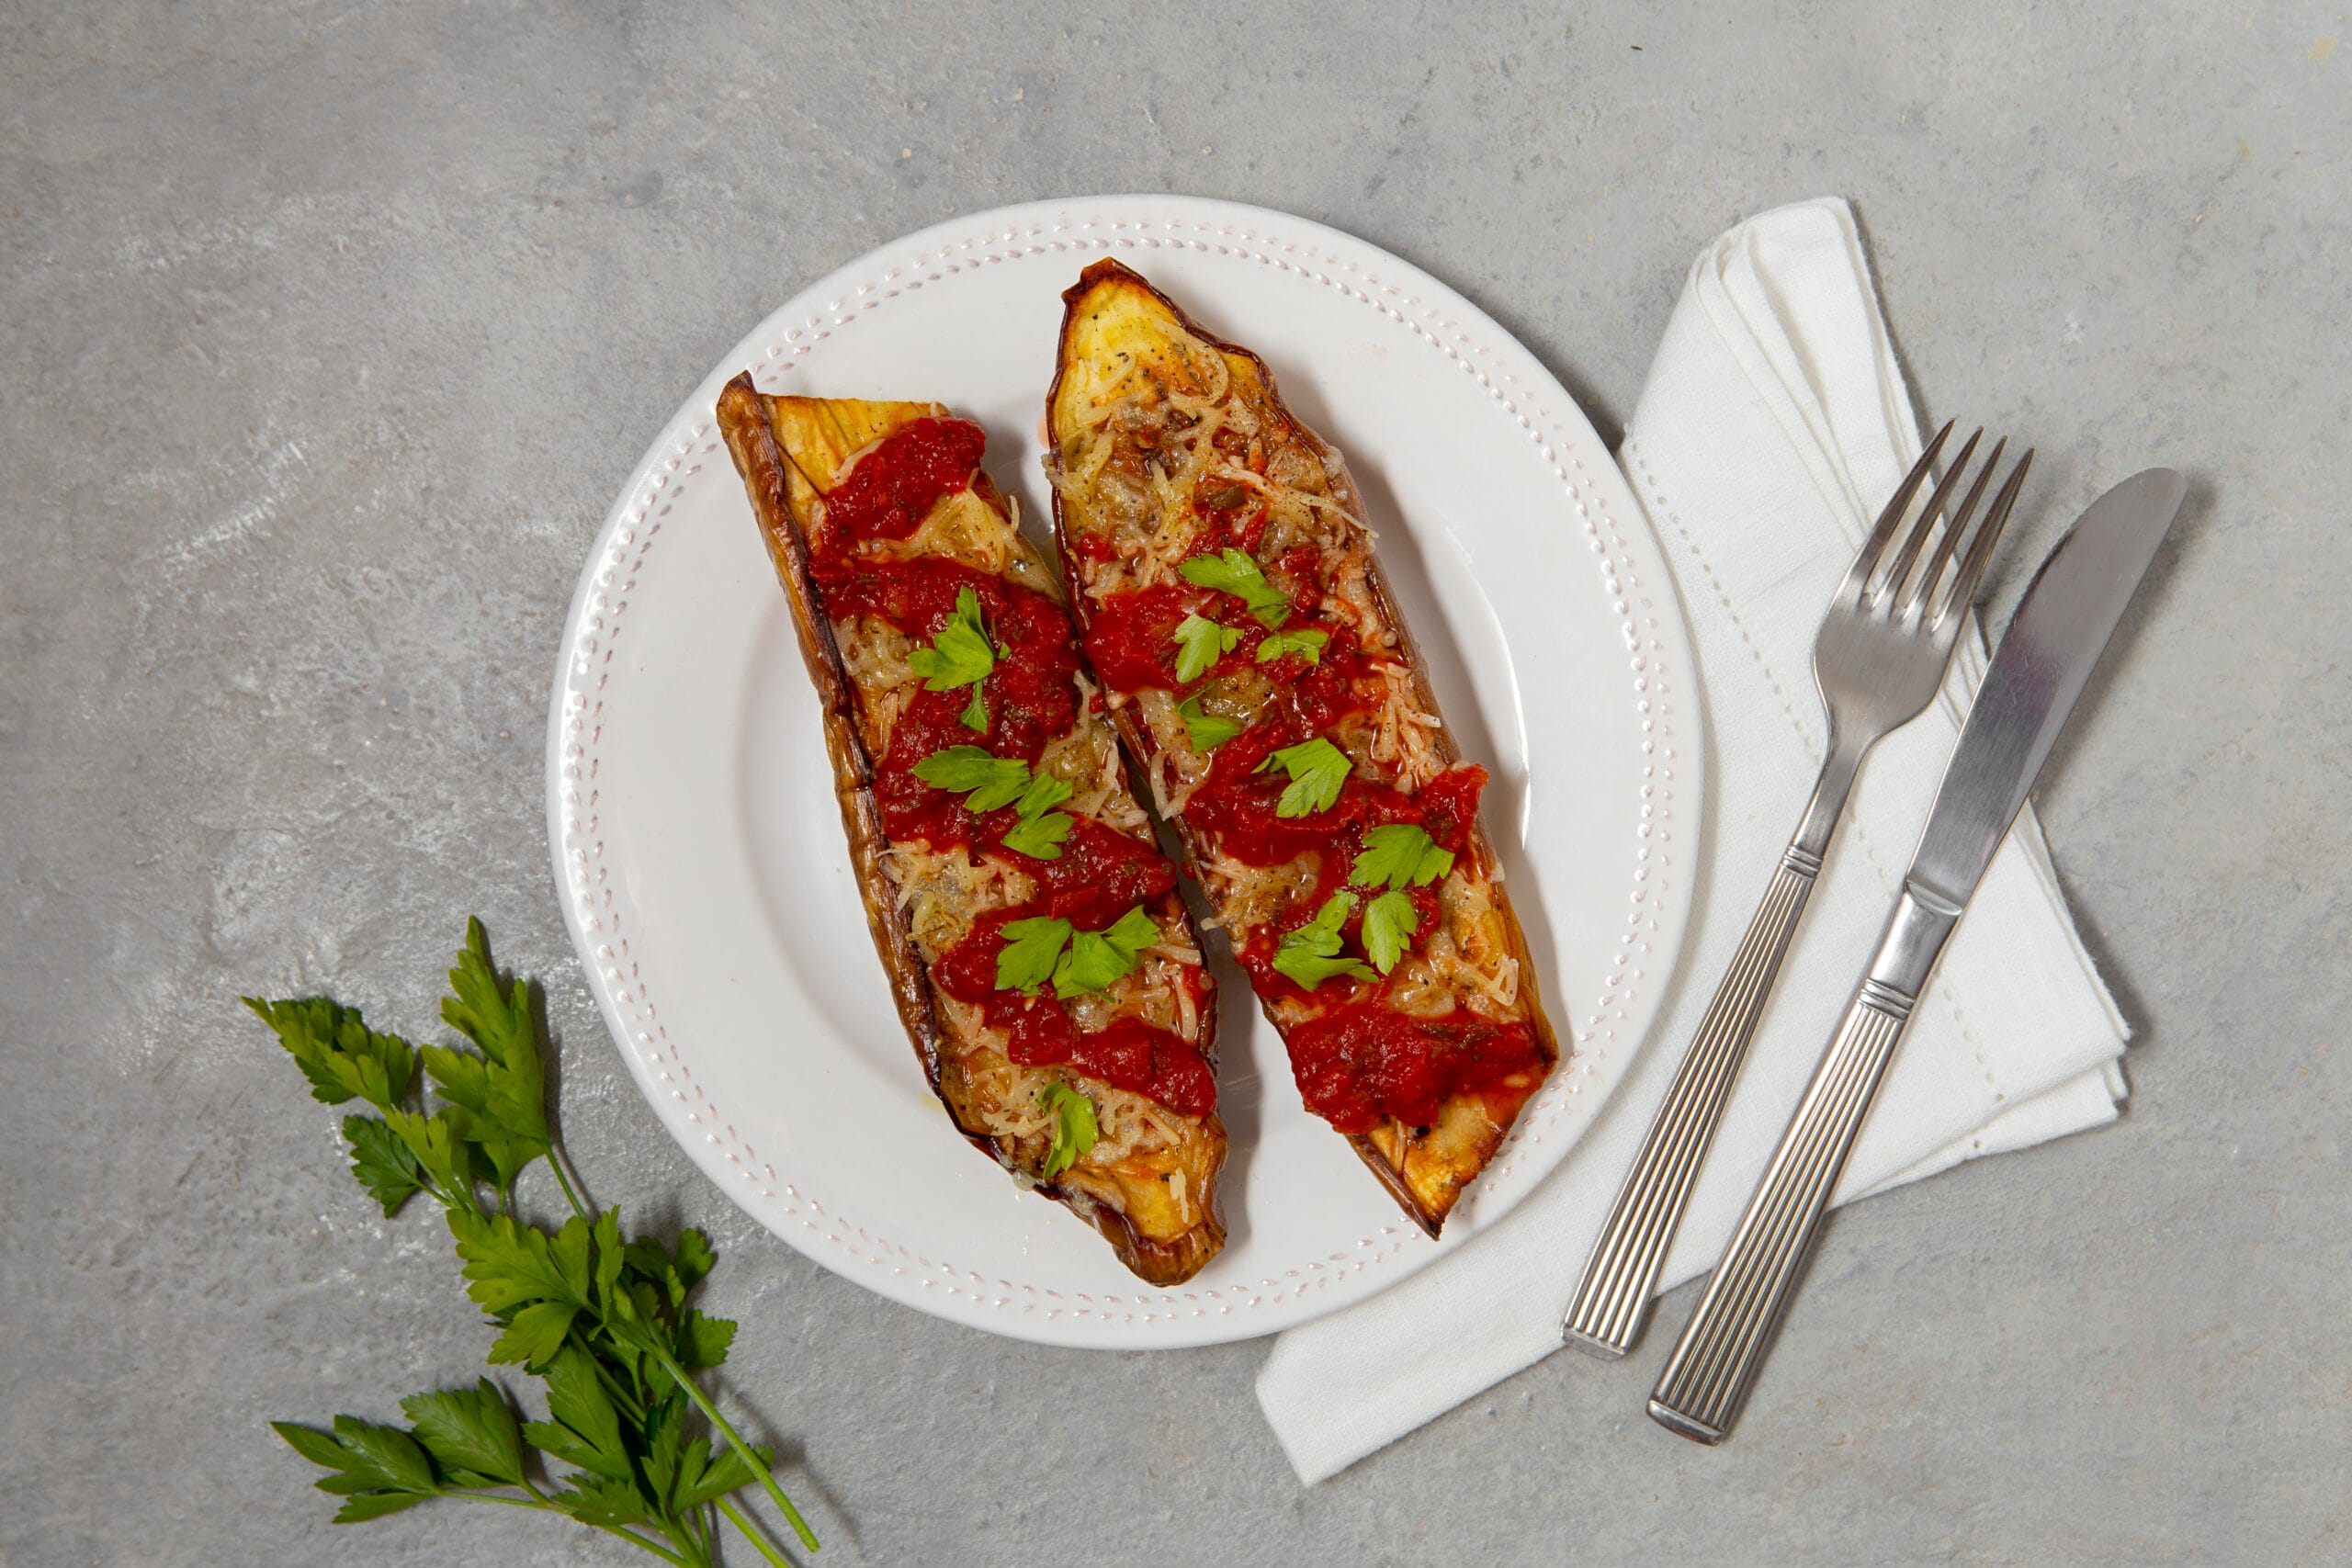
[2061, 626]
[2069, 612]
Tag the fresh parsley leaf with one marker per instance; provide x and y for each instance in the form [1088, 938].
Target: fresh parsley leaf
[1092, 963]
[960, 655]
[728, 1472]
[1201, 642]
[703, 1341]
[984, 780]
[500, 1096]
[384, 1165]
[975, 717]
[1310, 955]
[1040, 837]
[342, 1057]
[1208, 730]
[470, 1431]
[1133, 931]
[601, 1501]
[1307, 642]
[1232, 572]
[586, 1429]
[1098, 960]
[509, 1264]
[1399, 854]
[534, 1336]
[1031, 947]
[1041, 794]
[383, 1456]
[694, 1257]
[1316, 770]
[1074, 1127]
[443, 1154]
[1389, 922]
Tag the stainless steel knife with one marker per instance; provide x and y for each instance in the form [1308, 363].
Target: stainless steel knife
[2060, 626]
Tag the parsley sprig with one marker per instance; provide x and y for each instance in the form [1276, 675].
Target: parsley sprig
[1206, 729]
[1316, 770]
[1396, 855]
[1201, 642]
[1074, 1127]
[1232, 570]
[602, 1320]
[1044, 947]
[1399, 854]
[988, 782]
[1307, 642]
[960, 655]
[1310, 955]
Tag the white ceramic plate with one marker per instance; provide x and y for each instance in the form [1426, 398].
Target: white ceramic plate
[706, 879]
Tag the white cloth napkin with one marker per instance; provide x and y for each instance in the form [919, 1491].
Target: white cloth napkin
[1774, 426]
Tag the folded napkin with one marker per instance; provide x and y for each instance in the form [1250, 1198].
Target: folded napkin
[1774, 426]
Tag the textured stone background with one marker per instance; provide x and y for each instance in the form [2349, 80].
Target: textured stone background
[327, 331]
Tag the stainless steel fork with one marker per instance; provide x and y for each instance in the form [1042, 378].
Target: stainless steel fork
[1881, 654]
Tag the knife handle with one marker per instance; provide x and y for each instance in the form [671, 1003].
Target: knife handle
[1707, 1378]
[1613, 1301]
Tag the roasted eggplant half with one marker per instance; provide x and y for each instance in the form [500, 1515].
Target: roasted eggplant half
[1255, 663]
[1027, 920]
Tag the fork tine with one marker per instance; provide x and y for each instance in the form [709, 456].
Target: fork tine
[1917, 539]
[1866, 559]
[1924, 586]
[1980, 549]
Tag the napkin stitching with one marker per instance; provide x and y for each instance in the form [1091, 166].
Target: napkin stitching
[1888, 882]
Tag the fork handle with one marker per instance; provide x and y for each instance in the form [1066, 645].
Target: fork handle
[1707, 1378]
[1612, 1303]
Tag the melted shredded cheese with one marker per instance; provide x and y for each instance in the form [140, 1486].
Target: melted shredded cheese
[1010, 1099]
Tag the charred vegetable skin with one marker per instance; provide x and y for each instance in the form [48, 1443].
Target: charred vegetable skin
[981, 788]
[1257, 667]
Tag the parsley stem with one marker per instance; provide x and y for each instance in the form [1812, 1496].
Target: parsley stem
[750, 1455]
[754, 1534]
[555, 1163]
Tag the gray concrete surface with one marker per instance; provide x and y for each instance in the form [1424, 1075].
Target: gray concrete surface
[326, 332]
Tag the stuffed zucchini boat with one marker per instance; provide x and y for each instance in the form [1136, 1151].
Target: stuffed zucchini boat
[1040, 956]
[1256, 664]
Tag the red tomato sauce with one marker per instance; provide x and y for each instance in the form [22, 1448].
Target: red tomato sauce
[892, 487]
[1127, 1054]
[1361, 1062]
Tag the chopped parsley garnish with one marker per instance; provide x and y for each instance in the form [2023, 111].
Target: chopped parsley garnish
[1044, 792]
[1399, 854]
[1201, 642]
[1307, 642]
[1208, 729]
[1316, 770]
[988, 782]
[1232, 572]
[1310, 955]
[1098, 960]
[1046, 947]
[1031, 949]
[985, 781]
[1039, 838]
[1074, 1130]
[1389, 922]
[960, 655]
